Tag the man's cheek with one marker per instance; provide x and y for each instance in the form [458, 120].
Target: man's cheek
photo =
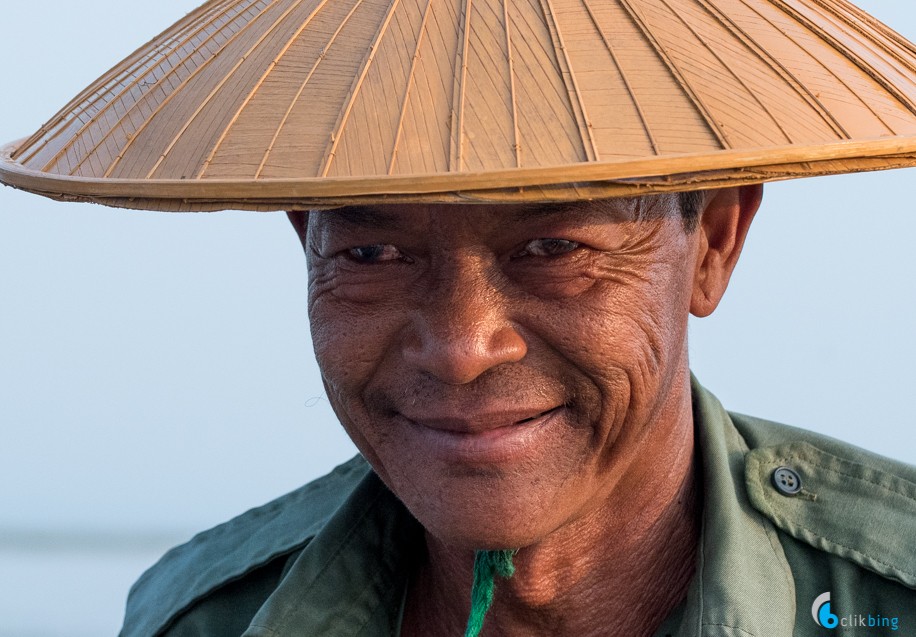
[341, 358]
[349, 346]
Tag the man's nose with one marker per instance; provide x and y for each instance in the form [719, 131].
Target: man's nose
[463, 328]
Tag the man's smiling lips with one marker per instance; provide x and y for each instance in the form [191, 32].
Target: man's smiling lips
[486, 436]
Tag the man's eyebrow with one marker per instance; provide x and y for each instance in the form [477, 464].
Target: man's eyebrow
[375, 219]
[363, 216]
[582, 209]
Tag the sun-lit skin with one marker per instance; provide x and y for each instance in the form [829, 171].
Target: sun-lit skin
[518, 376]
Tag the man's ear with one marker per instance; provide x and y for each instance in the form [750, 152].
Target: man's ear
[722, 228]
[300, 221]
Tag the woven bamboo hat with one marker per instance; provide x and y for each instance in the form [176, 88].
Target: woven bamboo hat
[289, 104]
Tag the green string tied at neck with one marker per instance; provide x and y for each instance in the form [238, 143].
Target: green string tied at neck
[487, 565]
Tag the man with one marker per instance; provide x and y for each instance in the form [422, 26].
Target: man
[516, 375]
[520, 380]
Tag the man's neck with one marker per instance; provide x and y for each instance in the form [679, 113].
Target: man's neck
[620, 571]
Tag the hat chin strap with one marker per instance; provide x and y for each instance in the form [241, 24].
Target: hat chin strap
[487, 565]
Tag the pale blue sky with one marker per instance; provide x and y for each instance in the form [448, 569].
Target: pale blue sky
[156, 372]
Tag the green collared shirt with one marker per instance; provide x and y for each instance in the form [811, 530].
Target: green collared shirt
[332, 559]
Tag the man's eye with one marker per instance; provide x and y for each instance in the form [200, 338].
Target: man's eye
[548, 247]
[379, 253]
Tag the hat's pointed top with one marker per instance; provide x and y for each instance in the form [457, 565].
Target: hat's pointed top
[272, 104]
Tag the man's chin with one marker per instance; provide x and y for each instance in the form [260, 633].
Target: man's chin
[481, 537]
[485, 523]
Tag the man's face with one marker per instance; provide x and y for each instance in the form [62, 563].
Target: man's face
[503, 368]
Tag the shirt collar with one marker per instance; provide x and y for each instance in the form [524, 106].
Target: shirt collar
[743, 584]
[350, 578]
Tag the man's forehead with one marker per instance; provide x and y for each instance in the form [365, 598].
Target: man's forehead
[396, 216]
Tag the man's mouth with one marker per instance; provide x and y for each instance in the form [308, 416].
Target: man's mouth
[543, 413]
[493, 436]
[476, 421]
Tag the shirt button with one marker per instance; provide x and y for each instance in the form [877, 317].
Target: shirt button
[787, 481]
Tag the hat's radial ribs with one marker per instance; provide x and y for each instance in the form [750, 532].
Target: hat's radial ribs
[439, 88]
[777, 67]
[839, 79]
[456, 147]
[216, 89]
[877, 43]
[408, 85]
[547, 122]
[159, 83]
[884, 31]
[517, 145]
[572, 86]
[812, 56]
[143, 60]
[698, 104]
[75, 108]
[126, 116]
[176, 91]
[337, 133]
[135, 106]
[254, 89]
[728, 68]
[623, 76]
[863, 65]
[876, 33]
[302, 87]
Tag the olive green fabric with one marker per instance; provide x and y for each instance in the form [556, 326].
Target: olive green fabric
[332, 559]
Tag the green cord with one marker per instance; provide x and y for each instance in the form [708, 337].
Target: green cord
[487, 565]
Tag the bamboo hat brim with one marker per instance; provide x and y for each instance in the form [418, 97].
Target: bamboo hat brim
[290, 104]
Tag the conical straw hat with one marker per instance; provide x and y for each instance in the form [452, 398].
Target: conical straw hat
[287, 104]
